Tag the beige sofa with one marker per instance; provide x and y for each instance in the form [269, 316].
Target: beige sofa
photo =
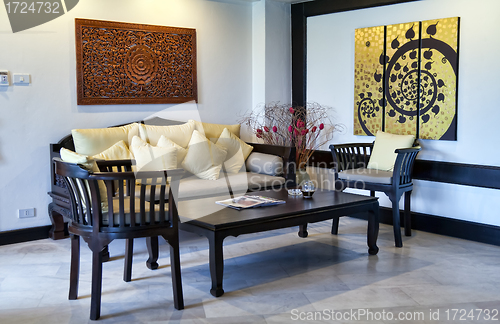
[262, 166]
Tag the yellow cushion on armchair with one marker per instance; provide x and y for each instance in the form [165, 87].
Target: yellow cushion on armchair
[383, 156]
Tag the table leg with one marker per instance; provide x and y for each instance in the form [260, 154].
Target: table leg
[216, 262]
[152, 245]
[373, 224]
[303, 230]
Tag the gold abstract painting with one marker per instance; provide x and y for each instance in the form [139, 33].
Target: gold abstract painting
[415, 72]
[368, 72]
[438, 69]
[402, 78]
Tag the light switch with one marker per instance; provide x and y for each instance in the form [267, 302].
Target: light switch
[4, 78]
[21, 78]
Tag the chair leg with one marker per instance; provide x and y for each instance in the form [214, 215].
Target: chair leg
[335, 225]
[129, 252]
[95, 299]
[175, 268]
[407, 214]
[153, 251]
[396, 223]
[75, 267]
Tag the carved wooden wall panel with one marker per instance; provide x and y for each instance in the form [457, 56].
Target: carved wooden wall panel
[122, 63]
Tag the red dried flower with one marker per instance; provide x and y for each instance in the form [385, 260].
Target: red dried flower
[291, 110]
[321, 126]
[259, 130]
[266, 129]
[290, 128]
[275, 129]
[314, 129]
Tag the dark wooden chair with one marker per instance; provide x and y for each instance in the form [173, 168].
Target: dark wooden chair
[125, 217]
[350, 162]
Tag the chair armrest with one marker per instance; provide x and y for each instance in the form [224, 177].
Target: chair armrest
[403, 167]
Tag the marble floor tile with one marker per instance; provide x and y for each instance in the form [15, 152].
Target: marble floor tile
[269, 277]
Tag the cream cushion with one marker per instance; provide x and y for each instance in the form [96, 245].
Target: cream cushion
[119, 151]
[73, 157]
[213, 131]
[237, 151]
[204, 158]
[383, 156]
[367, 175]
[153, 158]
[181, 152]
[179, 134]
[95, 140]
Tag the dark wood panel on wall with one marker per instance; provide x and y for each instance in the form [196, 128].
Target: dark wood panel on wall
[322, 7]
[299, 14]
[299, 31]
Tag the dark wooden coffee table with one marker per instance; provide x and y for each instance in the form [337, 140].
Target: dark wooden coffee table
[297, 211]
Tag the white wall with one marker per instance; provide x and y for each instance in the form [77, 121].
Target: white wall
[42, 113]
[330, 81]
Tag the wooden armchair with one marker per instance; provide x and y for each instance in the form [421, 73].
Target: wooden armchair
[125, 217]
[351, 160]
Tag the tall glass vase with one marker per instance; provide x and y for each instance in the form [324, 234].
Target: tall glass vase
[301, 175]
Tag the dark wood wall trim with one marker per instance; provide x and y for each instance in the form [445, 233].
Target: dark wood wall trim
[483, 176]
[466, 230]
[24, 235]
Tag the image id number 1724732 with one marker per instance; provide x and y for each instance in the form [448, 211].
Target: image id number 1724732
[32, 7]
[477, 314]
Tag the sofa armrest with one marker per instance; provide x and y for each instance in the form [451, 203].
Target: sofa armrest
[287, 153]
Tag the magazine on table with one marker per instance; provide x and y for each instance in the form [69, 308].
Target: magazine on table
[249, 201]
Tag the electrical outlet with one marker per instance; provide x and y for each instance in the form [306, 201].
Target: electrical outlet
[25, 213]
[4, 78]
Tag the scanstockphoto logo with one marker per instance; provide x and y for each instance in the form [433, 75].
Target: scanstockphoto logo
[28, 14]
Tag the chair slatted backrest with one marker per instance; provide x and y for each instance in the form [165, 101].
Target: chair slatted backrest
[351, 156]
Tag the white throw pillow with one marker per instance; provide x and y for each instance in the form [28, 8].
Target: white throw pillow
[153, 158]
[119, 151]
[181, 152]
[213, 131]
[237, 151]
[179, 134]
[383, 156]
[204, 158]
[93, 141]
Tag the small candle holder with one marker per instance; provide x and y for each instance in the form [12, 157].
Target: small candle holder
[308, 189]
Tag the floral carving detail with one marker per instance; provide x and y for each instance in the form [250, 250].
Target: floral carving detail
[141, 64]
